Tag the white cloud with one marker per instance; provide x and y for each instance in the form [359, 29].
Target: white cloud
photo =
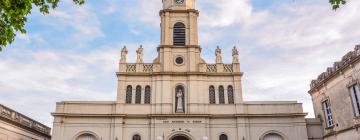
[226, 12]
[33, 83]
[145, 11]
[82, 20]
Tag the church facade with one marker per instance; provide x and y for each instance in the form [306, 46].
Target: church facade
[179, 96]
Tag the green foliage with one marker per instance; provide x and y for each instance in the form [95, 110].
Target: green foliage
[336, 3]
[13, 16]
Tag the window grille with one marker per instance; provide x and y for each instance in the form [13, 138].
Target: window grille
[128, 94]
[328, 114]
[355, 95]
[147, 95]
[221, 95]
[231, 95]
[138, 95]
[212, 95]
[179, 34]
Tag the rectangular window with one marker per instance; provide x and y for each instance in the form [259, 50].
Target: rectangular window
[355, 96]
[328, 114]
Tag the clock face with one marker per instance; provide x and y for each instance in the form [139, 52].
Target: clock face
[179, 1]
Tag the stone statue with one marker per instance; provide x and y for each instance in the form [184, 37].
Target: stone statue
[124, 52]
[218, 55]
[179, 96]
[140, 55]
[235, 54]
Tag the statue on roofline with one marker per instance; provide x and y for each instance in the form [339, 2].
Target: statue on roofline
[218, 55]
[124, 52]
[235, 54]
[140, 55]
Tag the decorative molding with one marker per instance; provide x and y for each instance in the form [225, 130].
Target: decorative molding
[23, 121]
[346, 62]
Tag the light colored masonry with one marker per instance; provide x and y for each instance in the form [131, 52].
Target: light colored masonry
[15, 126]
[335, 95]
[179, 96]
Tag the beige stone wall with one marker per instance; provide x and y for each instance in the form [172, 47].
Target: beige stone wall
[105, 121]
[335, 88]
[12, 132]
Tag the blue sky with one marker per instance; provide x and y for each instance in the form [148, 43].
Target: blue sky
[73, 53]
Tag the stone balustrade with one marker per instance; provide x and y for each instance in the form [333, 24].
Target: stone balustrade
[137, 68]
[348, 60]
[22, 120]
[219, 68]
[150, 68]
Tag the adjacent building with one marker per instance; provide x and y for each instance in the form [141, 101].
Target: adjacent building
[179, 96]
[336, 98]
[15, 126]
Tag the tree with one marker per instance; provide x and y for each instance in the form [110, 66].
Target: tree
[13, 16]
[336, 3]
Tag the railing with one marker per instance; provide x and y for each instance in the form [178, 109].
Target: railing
[211, 68]
[18, 118]
[148, 67]
[228, 68]
[131, 68]
[222, 68]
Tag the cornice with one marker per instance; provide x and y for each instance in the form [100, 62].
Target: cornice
[176, 46]
[179, 11]
[347, 61]
[20, 120]
[177, 115]
[179, 73]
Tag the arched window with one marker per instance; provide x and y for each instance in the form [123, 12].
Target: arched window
[136, 137]
[230, 92]
[138, 95]
[212, 95]
[86, 137]
[221, 95]
[223, 137]
[179, 34]
[147, 95]
[128, 94]
[273, 136]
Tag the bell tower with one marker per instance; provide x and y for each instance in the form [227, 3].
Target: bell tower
[179, 23]
[179, 49]
[178, 4]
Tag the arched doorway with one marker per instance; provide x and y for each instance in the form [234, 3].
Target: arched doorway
[86, 137]
[273, 136]
[180, 138]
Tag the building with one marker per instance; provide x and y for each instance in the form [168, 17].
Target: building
[15, 126]
[179, 96]
[336, 98]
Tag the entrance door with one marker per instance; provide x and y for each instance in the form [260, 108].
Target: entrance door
[180, 138]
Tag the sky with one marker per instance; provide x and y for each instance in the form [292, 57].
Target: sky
[72, 54]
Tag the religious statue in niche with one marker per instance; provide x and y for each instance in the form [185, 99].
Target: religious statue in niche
[235, 54]
[218, 55]
[140, 55]
[179, 100]
[124, 52]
